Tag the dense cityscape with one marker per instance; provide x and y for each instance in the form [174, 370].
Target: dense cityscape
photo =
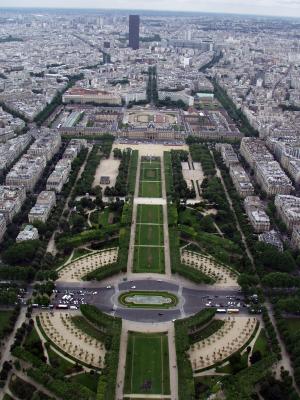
[149, 205]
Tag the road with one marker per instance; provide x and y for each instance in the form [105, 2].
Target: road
[191, 300]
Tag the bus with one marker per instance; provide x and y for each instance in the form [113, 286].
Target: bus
[221, 310]
[62, 306]
[233, 310]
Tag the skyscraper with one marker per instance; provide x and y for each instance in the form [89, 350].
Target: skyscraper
[134, 31]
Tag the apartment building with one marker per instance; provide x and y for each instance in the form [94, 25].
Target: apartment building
[272, 238]
[12, 149]
[26, 172]
[81, 95]
[254, 151]
[74, 147]
[11, 201]
[241, 180]
[2, 226]
[42, 209]
[256, 214]
[295, 240]
[288, 209]
[272, 179]
[28, 233]
[228, 154]
[46, 145]
[59, 176]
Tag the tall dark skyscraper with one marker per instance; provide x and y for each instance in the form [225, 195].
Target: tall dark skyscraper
[134, 31]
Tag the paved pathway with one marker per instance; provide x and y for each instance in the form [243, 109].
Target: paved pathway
[122, 362]
[165, 221]
[134, 217]
[173, 363]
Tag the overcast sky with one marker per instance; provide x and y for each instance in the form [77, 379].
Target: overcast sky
[263, 7]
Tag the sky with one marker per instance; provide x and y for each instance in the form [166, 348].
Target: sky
[259, 7]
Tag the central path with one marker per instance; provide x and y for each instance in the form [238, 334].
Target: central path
[148, 327]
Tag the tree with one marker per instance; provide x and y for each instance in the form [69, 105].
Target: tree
[255, 357]
[78, 223]
[21, 253]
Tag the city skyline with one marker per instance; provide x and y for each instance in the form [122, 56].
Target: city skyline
[284, 8]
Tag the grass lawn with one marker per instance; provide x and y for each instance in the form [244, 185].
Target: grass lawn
[79, 253]
[293, 324]
[33, 344]
[104, 217]
[82, 324]
[151, 235]
[204, 333]
[60, 363]
[151, 164]
[88, 380]
[150, 189]
[149, 259]
[4, 319]
[147, 213]
[261, 344]
[150, 173]
[147, 364]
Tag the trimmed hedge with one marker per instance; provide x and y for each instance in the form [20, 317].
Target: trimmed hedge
[87, 236]
[132, 171]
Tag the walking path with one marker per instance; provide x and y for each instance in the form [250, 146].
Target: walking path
[133, 225]
[173, 362]
[165, 222]
[122, 362]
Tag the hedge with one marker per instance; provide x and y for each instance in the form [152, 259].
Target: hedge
[132, 171]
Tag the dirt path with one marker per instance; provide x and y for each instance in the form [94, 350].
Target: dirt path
[122, 362]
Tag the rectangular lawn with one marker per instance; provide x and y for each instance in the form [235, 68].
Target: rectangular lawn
[147, 364]
[149, 214]
[151, 235]
[150, 174]
[149, 259]
[150, 189]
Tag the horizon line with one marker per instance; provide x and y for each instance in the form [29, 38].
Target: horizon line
[148, 10]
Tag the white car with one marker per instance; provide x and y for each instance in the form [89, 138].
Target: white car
[108, 287]
[133, 287]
